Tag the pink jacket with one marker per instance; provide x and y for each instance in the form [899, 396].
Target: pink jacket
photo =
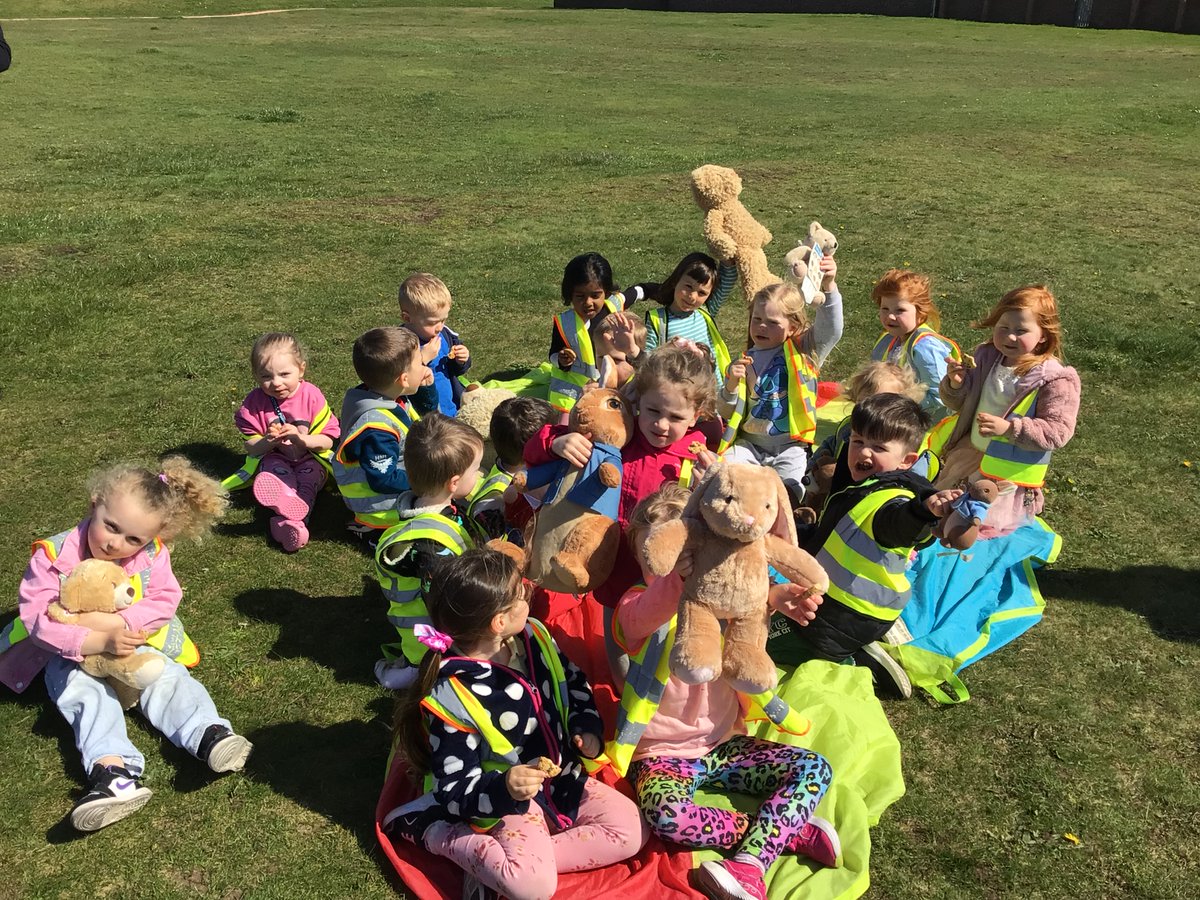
[645, 468]
[257, 412]
[691, 719]
[43, 583]
[1053, 422]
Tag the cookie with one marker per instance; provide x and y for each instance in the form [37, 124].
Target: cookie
[546, 765]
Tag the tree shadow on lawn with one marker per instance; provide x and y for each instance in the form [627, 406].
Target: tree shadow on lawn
[334, 770]
[1165, 597]
[342, 634]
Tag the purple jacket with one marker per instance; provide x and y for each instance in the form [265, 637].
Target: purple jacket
[1053, 422]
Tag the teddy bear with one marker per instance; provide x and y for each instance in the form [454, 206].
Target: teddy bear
[97, 585]
[796, 263]
[732, 233]
[817, 484]
[478, 404]
[730, 526]
[960, 528]
[576, 534]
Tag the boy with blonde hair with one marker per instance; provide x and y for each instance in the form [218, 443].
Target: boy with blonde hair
[424, 307]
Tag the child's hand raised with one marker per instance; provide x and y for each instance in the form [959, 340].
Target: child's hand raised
[939, 504]
[430, 349]
[459, 353]
[574, 448]
[829, 270]
[737, 373]
[566, 358]
[993, 426]
[524, 782]
[587, 744]
[955, 371]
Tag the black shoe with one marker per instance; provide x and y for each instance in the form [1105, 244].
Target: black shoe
[113, 793]
[223, 750]
[409, 821]
[891, 681]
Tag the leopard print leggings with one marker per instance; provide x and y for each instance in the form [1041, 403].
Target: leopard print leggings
[792, 780]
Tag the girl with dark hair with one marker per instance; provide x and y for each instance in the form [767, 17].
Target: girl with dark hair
[690, 299]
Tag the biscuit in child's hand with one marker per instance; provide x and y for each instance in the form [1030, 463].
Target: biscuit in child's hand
[968, 361]
[695, 447]
[544, 764]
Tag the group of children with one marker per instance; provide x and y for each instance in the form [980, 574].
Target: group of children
[501, 722]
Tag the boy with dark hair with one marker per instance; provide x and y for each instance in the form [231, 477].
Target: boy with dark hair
[369, 463]
[444, 456]
[497, 508]
[865, 537]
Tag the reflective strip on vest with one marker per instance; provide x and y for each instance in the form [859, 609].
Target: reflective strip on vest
[171, 639]
[904, 360]
[658, 321]
[1005, 461]
[369, 508]
[245, 474]
[566, 386]
[490, 493]
[405, 593]
[864, 576]
[452, 702]
[645, 682]
[801, 401]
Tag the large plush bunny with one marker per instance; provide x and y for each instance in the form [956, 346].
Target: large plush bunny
[727, 525]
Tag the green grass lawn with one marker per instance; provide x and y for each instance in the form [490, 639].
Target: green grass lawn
[172, 188]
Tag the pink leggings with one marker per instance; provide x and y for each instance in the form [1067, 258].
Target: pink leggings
[289, 480]
[521, 859]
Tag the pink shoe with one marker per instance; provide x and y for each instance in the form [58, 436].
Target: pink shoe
[818, 840]
[271, 492]
[289, 533]
[731, 880]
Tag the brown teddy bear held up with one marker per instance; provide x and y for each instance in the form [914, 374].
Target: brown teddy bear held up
[733, 235]
[727, 525]
[97, 585]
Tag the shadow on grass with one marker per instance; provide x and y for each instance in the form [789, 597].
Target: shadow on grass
[217, 460]
[342, 634]
[334, 770]
[1164, 596]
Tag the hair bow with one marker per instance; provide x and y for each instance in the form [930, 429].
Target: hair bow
[432, 638]
[162, 476]
[689, 345]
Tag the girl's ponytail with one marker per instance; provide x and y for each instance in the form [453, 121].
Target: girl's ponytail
[186, 499]
[408, 729]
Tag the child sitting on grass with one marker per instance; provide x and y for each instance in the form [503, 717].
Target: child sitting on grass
[864, 539]
[424, 306]
[369, 463]
[496, 507]
[289, 431]
[134, 513]
[444, 456]
[691, 297]
[683, 737]
[505, 726]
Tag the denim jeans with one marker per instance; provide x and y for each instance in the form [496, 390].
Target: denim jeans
[176, 704]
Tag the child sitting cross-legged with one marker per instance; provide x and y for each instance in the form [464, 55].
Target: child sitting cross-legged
[505, 726]
[444, 456]
[424, 306]
[369, 463]
[866, 535]
[496, 507]
[684, 737]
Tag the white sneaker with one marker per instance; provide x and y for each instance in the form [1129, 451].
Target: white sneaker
[113, 793]
[897, 634]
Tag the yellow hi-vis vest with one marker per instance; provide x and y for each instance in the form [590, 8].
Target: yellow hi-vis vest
[658, 321]
[490, 492]
[457, 706]
[171, 639]
[245, 474]
[369, 508]
[566, 386]
[1005, 461]
[801, 401]
[886, 344]
[646, 681]
[864, 576]
[405, 593]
